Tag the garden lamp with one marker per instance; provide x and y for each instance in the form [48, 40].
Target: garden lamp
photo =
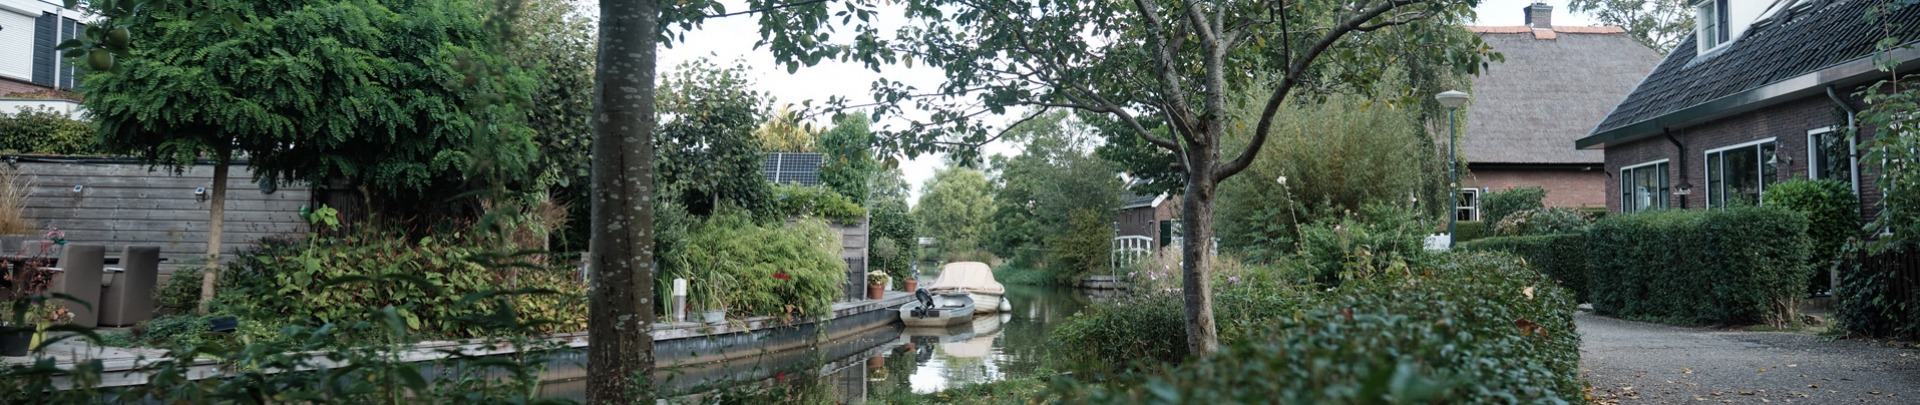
[1452, 99]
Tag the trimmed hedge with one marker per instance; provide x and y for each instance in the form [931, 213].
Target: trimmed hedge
[1469, 230]
[1497, 205]
[1481, 328]
[1832, 216]
[1561, 256]
[1727, 266]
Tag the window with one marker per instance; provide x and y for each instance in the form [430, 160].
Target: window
[1738, 174]
[1644, 187]
[1711, 23]
[1469, 208]
[1829, 155]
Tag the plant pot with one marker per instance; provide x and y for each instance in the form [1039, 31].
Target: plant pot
[874, 291]
[714, 316]
[13, 342]
[876, 363]
[909, 285]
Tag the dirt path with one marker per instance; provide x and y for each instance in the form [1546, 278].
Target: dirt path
[1633, 362]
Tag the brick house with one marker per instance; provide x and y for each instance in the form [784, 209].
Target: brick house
[32, 73]
[1762, 92]
[1555, 83]
[1151, 216]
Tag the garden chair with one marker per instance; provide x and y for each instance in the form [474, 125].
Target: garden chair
[128, 297]
[79, 276]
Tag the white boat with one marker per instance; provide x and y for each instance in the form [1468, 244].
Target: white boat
[976, 280]
[931, 309]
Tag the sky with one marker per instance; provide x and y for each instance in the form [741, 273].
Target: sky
[726, 40]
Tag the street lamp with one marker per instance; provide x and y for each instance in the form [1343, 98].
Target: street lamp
[1452, 99]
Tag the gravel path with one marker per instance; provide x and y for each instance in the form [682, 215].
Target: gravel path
[1633, 362]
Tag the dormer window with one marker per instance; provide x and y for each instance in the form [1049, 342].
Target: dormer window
[1710, 21]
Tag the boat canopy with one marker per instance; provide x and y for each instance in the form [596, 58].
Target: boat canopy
[969, 277]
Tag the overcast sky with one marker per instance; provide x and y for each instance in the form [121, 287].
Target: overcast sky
[728, 39]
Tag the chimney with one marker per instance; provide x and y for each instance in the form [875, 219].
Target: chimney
[1539, 15]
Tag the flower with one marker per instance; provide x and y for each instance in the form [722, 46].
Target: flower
[781, 275]
[1282, 180]
[1234, 279]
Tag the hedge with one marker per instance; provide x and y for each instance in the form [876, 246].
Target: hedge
[1480, 328]
[1561, 256]
[1496, 205]
[1728, 266]
[1469, 230]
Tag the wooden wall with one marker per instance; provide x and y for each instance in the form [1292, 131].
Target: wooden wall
[124, 203]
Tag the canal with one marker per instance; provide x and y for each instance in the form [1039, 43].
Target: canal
[879, 365]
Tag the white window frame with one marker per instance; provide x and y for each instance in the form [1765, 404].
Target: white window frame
[1706, 166]
[1813, 157]
[1721, 19]
[1472, 210]
[1668, 180]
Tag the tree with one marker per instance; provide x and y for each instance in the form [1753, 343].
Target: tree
[849, 162]
[1054, 208]
[555, 43]
[954, 209]
[1177, 60]
[393, 98]
[1658, 24]
[783, 132]
[891, 220]
[708, 154]
[619, 316]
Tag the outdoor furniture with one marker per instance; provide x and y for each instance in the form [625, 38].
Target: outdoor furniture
[128, 298]
[37, 248]
[80, 269]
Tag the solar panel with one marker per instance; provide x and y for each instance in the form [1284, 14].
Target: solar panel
[792, 168]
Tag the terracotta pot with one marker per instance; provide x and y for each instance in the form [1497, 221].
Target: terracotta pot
[874, 291]
[876, 363]
[910, 285]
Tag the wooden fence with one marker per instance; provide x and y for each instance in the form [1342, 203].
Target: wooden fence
[1898, 277]
[118, 202]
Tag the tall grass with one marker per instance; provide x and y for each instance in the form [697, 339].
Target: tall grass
[14, 190]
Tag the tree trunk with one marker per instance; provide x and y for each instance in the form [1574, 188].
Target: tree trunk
[217, 222]
[1196, 210]
[620, 315]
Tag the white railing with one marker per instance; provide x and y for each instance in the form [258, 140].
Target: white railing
[1130, 249]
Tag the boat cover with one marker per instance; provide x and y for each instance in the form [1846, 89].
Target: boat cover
[970, 277]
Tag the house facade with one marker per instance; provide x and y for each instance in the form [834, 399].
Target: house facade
[1150, 216]
[1761, 93]
[32, 73]
[1555, 82]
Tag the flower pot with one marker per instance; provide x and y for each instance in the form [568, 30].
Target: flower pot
[714, 316]
[876, 363]
[909, 285]
[874, 291]
[13, 342]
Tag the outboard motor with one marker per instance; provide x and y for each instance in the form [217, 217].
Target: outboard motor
[926, 303]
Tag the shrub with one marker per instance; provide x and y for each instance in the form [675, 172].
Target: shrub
[1148, 326]
[1560, 256]
[1084, 248]
[1481, 329]
[1832, 216]
[1725, 266]
[820, 202]
[1542, 221]
[1381, 238]
[1469, 230]
[1497, 205]
[789, 269]
[436, 285]
[45, 131]
[1871, 302]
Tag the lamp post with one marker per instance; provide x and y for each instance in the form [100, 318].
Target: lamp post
[1452, 99]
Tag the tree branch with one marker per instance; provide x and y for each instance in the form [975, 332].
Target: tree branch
[775, 7]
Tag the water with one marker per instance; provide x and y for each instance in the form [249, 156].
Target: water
[878, 364]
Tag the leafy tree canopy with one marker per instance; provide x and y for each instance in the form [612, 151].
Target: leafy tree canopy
[955, 207]
[707, 154]
[1658, 24]
[850, 164]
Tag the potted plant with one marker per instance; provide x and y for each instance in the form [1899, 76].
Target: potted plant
[912, 282]
[713, 300]
[876, 284]
[45, 314]
[27, 280]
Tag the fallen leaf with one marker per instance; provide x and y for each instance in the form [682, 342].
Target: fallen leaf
[1686, 370]
[1813, 385]
[1528, 291]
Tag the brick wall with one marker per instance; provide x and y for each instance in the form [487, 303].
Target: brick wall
[10, 85]
[1565, 187]
[1787, 123]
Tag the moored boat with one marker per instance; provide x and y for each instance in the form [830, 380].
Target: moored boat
[937, 309]
[976, 280]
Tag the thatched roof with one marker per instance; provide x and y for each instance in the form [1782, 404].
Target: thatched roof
[1552, 88]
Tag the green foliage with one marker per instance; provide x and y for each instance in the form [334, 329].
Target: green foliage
[1011, 273]
[793, 200]
[783, 132]
[1542, 221]
[706, 154]
[180, 330]
[1338, 156]
[791, 269]
[1832, 214]
[1870, 300]
[849, 162]
[1082, 248]
[45, 131]
[406, 99]
[1145, 327]
[1480, 328]
[1469, 231]
[1379, 239]
[1497, 205]
[955, 208]
[1657, 24]
[556, 46]
[891, 220]
[1723, 266]
[1560, 256]
[435, 284]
